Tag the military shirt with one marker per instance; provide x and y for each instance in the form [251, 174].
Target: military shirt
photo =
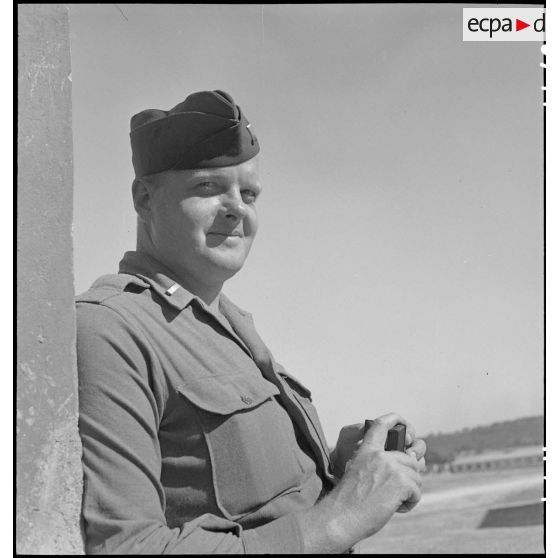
[195, 440]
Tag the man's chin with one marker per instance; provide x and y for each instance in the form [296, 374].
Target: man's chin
[227, 265]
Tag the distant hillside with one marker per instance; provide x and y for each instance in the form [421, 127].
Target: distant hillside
[512, 433]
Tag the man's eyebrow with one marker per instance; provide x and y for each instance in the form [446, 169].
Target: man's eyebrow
[204, 174]
[208, 175]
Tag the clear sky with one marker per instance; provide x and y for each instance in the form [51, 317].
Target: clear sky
[399, 261]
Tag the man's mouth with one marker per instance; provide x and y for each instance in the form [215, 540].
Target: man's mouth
[226, 234]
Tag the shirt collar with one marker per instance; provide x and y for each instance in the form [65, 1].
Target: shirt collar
[159, 277]
[161, 280]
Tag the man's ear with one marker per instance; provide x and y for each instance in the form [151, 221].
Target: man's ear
[142, 192]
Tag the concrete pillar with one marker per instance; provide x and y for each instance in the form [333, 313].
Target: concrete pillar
[49, 475]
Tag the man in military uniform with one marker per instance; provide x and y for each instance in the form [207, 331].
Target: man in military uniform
[195, 439]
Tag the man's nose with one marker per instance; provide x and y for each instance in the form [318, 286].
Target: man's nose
[233, 207]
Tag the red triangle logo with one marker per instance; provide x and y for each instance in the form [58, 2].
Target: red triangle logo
[519, 25]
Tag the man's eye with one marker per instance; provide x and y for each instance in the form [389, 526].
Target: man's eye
[249, 196]
[205, 187]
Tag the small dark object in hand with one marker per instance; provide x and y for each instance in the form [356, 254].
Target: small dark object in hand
[395, 437]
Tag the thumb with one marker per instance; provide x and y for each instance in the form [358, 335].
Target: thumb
[375, 431]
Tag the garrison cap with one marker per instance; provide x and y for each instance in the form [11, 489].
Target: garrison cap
[206, 130]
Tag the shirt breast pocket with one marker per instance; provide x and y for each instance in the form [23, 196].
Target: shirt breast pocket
[250, 440]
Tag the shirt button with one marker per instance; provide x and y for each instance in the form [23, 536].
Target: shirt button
[247, 400]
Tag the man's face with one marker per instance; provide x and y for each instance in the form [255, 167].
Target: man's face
[203, 222]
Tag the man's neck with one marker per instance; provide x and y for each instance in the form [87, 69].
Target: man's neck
[209, 293]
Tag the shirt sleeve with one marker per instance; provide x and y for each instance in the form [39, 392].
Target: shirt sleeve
[120, 407]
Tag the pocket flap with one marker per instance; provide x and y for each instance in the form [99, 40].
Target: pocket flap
[293, 382]
[224, 395]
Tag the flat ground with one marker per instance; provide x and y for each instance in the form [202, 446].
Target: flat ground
[452, 507]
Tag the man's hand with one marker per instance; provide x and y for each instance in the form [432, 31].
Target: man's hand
[350, 439]
[376, 483]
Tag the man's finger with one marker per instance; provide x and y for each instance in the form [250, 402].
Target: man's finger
[352, 432]
[376, 434]
[406, 507]
[410, 435]
[408, 460]
[418, 448]
[411, 502]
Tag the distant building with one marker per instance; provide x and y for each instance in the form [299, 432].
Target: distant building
[526, 456]
[437, 467]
